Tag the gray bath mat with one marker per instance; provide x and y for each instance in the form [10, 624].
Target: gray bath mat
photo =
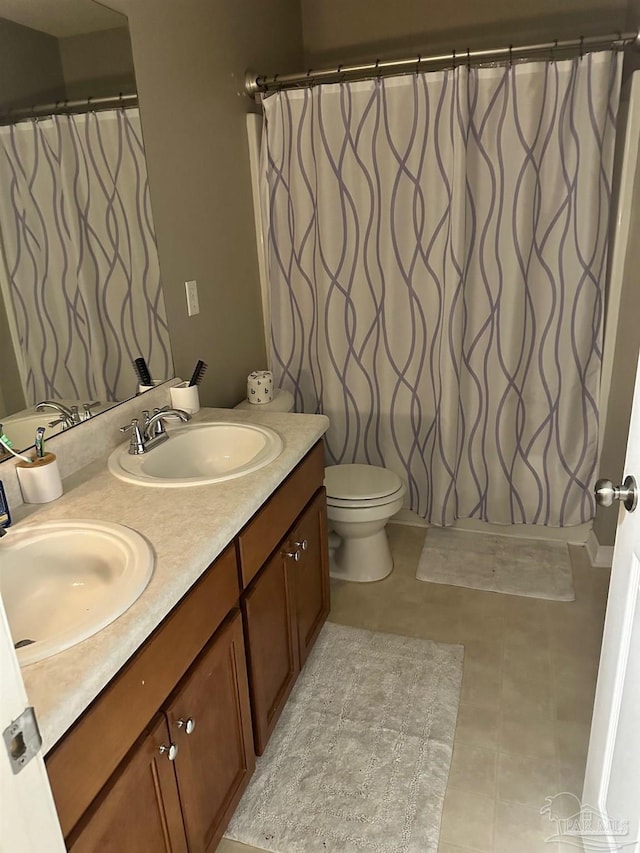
[530, 567]
[360, 758]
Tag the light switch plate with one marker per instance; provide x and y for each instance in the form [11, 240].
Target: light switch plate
[193, 304]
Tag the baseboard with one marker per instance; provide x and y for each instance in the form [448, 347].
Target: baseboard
[601, 556]
[577, 535]
[410, 518]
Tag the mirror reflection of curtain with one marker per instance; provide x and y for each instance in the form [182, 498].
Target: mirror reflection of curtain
[80, 253]
[437, 251]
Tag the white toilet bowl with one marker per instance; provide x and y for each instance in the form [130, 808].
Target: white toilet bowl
[360, 501]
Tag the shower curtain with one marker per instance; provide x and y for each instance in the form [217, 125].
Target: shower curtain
[79, 247]
[437, 253]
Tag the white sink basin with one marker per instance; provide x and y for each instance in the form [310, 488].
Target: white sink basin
[198, 454]
[63, 581]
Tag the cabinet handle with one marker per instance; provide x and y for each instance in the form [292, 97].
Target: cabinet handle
[302, 545]
[295, 555]
[188, 725]
[171, 750]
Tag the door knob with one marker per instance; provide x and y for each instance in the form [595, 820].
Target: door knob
[302, 545]
[606, 493]
[171, 751]
[188, 725]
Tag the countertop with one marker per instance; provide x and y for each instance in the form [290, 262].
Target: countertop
[187, 528]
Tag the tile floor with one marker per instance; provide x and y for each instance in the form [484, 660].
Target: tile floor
[527, 693]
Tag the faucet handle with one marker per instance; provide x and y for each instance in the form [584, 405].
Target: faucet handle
[86, 409]
[136, 444]
[158, 427]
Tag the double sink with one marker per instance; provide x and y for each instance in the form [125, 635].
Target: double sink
[63, 581]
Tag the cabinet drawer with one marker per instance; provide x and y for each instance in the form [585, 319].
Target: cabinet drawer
[83, 761]
[271, 523]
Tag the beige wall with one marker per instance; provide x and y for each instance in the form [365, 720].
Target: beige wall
[190, 58]
[97, 64]
[30, 67]
[335, 30]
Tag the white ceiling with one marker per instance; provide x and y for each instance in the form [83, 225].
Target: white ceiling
[61, 17]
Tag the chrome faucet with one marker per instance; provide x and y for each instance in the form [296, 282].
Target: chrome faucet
[153, 432]
[68, 416]
[86, 410]
[154, 425]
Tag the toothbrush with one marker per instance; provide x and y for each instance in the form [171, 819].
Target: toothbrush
[6, 443]
[40, 442]
[198, 373]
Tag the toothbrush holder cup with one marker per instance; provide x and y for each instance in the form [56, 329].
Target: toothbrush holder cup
[185, 397]
[40, 480]
[142, 388]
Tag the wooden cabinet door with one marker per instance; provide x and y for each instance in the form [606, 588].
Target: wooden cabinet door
[272, 644]
[309, 537]
[139, 809]
[210, 722]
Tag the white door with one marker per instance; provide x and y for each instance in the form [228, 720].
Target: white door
[28, 819]
[611, 799]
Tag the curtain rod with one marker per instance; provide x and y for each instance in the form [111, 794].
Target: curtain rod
[83, 105]
[257, 83]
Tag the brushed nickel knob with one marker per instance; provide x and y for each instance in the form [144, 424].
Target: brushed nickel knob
[302, 545]
[294, 555]
[606, 493]
[188, 725]
[171, 751]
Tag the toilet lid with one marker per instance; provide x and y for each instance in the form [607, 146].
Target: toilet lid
[360, 482]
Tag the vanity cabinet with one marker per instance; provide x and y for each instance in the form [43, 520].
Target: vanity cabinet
[160, 759]
[272, 644]
[311, 572]
[178, 787]
[209, 719]
[140, 810]
[287, 599]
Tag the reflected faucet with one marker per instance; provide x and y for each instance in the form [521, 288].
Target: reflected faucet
[68, 416]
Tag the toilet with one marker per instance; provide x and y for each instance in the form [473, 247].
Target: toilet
[360, 501]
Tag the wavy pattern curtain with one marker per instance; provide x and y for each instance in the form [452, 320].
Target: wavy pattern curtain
[81, 256]
[437, 252]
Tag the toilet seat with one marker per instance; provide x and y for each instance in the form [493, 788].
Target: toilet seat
[359, 486]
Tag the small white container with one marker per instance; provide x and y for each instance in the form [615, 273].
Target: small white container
[39, 480]
[185, 397]
[143, 388]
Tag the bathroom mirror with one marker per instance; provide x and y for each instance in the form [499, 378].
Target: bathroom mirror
[55, 51]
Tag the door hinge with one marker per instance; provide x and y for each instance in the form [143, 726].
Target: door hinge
[22, 739]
